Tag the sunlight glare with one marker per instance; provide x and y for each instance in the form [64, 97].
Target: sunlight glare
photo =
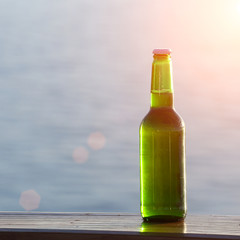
[238, 7]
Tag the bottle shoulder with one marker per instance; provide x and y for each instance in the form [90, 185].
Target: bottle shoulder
[162, 118]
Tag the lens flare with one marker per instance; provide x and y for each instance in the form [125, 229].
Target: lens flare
[96, 140]
[80, 155]
[29, 200]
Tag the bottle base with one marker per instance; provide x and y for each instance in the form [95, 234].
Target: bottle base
[163, 218]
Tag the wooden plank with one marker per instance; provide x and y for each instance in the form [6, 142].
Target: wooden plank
[113, 226]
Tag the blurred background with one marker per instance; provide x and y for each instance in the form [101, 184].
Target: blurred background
[75, 84]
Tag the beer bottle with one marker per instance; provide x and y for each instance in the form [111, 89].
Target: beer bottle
[162, 149]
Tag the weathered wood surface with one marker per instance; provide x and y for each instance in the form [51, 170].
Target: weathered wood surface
[75, 226]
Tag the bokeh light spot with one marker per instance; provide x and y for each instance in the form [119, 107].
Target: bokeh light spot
[96, 140]
[80, 155]
[29, 200]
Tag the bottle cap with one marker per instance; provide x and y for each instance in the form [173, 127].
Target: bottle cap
[162, 51]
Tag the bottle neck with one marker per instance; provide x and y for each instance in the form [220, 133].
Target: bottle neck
[161, 85]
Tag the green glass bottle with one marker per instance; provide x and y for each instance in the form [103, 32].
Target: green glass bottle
[162, 149]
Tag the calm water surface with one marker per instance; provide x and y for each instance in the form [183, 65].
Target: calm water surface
[74, 86]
